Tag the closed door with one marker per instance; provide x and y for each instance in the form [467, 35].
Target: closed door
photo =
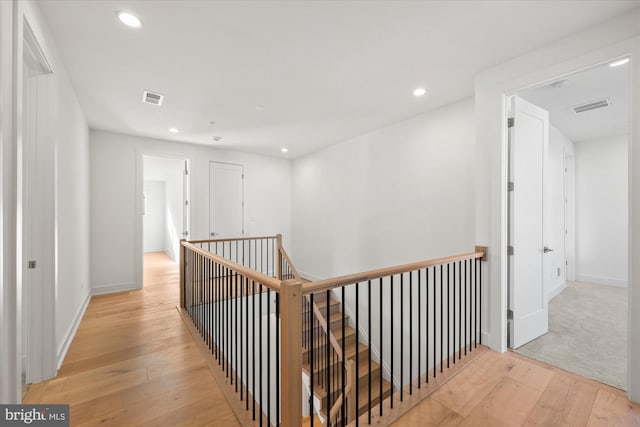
[528, 152]
[226, 205]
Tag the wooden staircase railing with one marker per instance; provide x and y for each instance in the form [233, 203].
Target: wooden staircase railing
[366, 341]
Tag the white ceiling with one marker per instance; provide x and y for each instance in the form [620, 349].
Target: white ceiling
[325, 71]
[583, 87]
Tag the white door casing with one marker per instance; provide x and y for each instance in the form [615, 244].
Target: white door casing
[528, 155]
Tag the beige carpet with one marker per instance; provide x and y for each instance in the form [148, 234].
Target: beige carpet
[587, 333]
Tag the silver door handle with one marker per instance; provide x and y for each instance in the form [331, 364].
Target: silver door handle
[213, 233]
[546, 250]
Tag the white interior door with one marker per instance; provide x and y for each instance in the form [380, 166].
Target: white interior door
[528, 155]
[226, 203]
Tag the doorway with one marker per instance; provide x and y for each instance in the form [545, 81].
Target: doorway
[165, 206]
[37, 215]
[585, 216]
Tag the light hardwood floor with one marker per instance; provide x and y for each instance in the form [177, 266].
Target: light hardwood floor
[133, 362]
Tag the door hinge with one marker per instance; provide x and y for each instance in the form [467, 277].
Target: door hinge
[510, 186]
[31, 264]
[509, 314]
[186, 203]
[242, 176]
[509, 250]
[511, 122]
[185, 233]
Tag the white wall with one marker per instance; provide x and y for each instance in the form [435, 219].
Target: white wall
[154, 217]
[116, 188]
[399, 194]
[559, 145]
[602, 226]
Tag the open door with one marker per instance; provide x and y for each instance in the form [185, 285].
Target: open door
[528, 155]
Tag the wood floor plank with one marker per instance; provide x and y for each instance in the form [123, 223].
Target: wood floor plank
[610, 409]
[508, 404]
[565, 402]
[133, 362]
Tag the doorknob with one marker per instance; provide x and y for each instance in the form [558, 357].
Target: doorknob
[213, 233]
[546, 249]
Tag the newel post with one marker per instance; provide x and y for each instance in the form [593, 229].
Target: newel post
[279, 256]
[182, 252]
[291, 351]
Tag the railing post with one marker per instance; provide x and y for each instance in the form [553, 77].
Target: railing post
[279, 256]
[291, 351]
[182, 271]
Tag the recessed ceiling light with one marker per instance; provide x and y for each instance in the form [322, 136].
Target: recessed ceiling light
[217, 138]
[284, 150]
[129, 19]
[619, 62]
[260, 107]
[173, 130]
[419, 91]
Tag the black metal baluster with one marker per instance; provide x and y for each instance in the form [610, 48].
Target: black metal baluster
[327, 350]
[242, 351]
[260, 333]
[357, 350]
[411, 332]
[426, 323]
[235, 338]
[278, 379]
[381, 348]
[419, 328]
[401, 337]
[268, 357]
[370, 347]
[470, 305]
[448, 317]
[441, 323]
[459, 310]
[311, 366]
[391, 319]
[253, 331]
[464, 304]
[435, 322]
[344, 357]
[228, 345]
[480, 286]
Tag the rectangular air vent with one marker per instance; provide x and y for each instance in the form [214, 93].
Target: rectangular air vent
[152, 98]
[591, 105]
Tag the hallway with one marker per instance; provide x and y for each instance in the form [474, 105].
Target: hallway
[133, 362]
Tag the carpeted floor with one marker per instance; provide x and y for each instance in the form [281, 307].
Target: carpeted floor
[587, 333]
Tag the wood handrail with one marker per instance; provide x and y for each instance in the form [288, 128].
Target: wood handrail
[231, 239]
[323, 323]
[270, 282]
[349, 279]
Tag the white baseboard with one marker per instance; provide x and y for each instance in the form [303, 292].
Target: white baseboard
[115, 287]
[557, 290]
[600, 280]
[71, 333]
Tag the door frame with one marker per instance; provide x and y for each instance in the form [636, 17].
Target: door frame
[574, 54]
[139, 244]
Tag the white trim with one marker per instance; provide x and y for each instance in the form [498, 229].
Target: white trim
[114, 287]
[557, 290]
[602, 280]
[71, 333]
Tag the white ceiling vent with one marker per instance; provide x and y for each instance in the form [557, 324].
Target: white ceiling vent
[592, 105]
[152, 98]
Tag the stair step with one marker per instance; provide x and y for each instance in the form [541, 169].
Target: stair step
[319, 342]
[334, 306]
[336, 321]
